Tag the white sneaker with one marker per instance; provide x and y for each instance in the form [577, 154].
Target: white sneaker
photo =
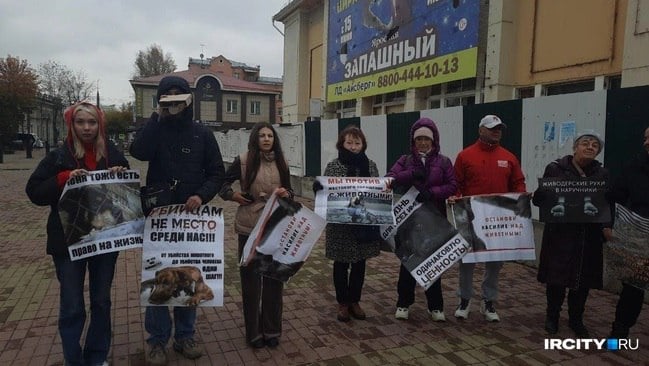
[462, 311]
[489, 312]
[402, 314]
[437, 315]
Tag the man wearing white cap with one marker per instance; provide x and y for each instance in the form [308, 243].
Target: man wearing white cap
[485, 168]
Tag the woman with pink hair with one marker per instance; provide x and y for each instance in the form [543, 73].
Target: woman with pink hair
[85, 149]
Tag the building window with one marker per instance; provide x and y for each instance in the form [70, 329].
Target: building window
[346, 108]
[458, 86]
[614, 82]
[236, 75]
[154, 102]
[255, 107]
[459, 101]
[453, 94]
[567, 88]
[522, 93]
[232, 106]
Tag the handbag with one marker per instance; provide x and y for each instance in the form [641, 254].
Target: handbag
[155, 195]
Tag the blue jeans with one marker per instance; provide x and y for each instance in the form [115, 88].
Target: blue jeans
[157, 322]
[72, 312]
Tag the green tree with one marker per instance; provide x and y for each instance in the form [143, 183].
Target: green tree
[18, 89]
[118, 120]
[153, 62]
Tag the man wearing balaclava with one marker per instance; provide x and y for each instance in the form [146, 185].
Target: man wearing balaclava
[184, 161]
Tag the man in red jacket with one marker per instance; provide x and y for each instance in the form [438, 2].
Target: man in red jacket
[485, 168]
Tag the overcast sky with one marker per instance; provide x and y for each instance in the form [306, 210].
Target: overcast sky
[102, 37]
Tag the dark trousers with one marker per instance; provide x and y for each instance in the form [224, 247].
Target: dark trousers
[349, 283]
[576, 302]
[262, 302]
[628, 306]
[406, 291]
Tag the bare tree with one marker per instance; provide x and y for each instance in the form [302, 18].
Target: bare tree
[152, 62]
[59, 81]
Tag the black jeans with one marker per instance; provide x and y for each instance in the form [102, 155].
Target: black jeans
[629, 306]
[349, 283]
[555, 295]
[406, 291]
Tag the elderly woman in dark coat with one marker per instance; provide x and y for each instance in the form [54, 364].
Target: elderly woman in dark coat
[343, 244]
[571, 253]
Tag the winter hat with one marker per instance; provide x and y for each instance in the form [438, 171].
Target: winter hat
[589, 133]
[170, 82]
[491, 121]
[423, 131]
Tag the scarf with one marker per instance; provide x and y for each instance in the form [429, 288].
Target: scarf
[268, 156]
[355, 162]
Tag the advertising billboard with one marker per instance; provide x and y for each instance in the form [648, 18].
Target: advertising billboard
[381, 46]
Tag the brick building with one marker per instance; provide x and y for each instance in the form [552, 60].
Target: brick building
[227, 94]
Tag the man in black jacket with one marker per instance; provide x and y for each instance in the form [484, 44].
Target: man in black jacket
[185, 161]
[630, 190]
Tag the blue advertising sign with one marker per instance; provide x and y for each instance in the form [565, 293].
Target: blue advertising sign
[380, 46]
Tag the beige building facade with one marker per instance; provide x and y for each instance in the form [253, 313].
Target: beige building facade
[526, 48]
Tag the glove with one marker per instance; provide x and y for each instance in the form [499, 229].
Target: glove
[419, 174]
[423, 197]
[317, 186]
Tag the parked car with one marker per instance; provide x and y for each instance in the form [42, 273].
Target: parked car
[18, 142]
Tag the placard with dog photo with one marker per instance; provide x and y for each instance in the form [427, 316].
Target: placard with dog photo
[498, 226]
[355, 200]
[425, 242]
[182, 257]
[101, 213]
[282, 239]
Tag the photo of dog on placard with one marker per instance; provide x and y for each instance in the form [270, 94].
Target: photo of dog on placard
[176, 286]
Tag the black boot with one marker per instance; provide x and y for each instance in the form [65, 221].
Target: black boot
[576, 305]
[552, 324]
[619, 331]
[579, 328]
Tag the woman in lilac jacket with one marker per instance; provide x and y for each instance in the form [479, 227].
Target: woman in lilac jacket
[432, 174]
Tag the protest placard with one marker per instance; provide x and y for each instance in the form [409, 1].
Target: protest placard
[424, 241]
[574, 201]
[182, 257]
[354, 200]
[627, 258]
[282, 239]
[101, 213]
[499, 227]
[401, 210]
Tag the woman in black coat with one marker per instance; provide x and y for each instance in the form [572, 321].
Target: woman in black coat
[86, 149]
[571, 253]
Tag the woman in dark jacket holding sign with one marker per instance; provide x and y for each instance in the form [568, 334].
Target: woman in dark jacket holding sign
[260, 172]
[86, 149]
[345, 244]
[433, 176]
[571, 253]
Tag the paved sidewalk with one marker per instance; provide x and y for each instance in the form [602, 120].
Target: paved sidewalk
[311, 333]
